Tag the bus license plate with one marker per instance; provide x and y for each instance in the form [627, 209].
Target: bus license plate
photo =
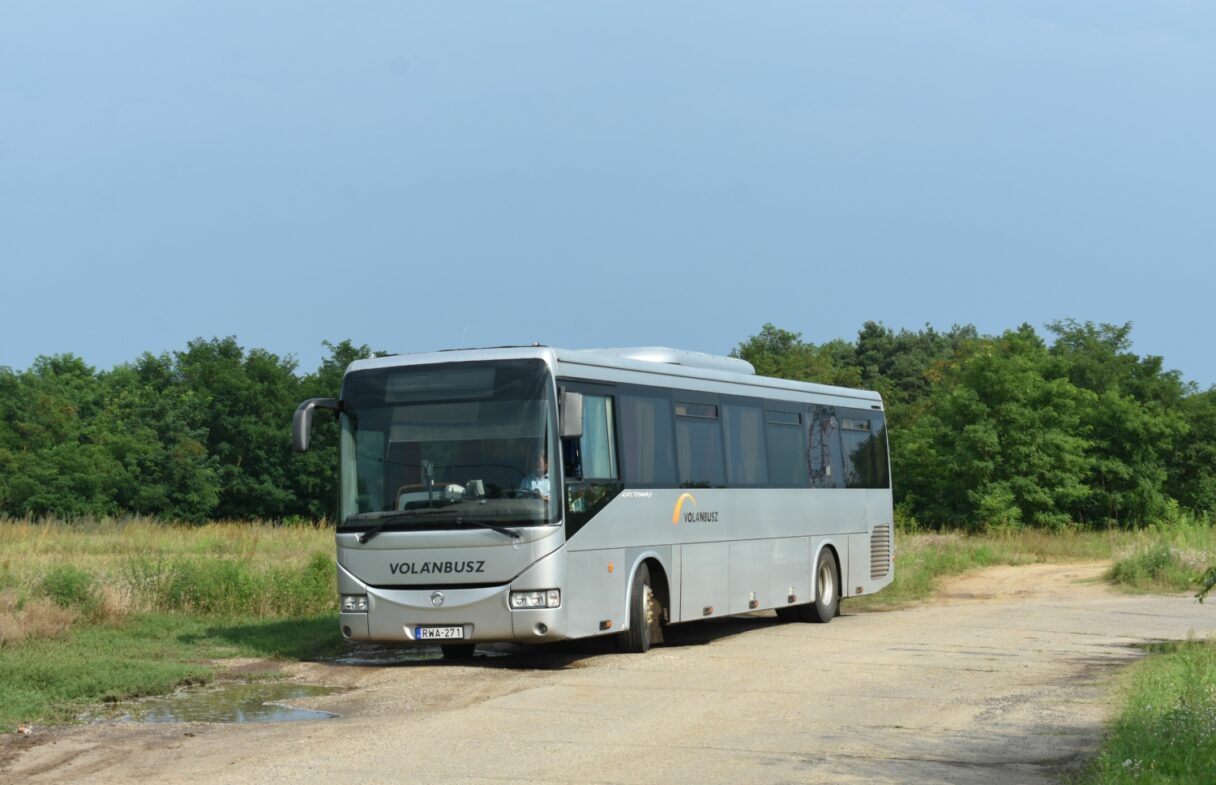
[438, 633]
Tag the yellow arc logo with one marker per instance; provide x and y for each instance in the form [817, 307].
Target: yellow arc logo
[675, 514]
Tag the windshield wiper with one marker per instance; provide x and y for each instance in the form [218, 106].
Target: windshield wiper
[514, 535]
[383, 521]
[390, 517]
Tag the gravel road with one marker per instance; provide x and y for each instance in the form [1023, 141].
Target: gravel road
[1006, 679]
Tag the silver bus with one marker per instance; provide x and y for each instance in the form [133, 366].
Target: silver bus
[536, 494]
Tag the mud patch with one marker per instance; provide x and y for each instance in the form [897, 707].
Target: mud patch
[13, 745]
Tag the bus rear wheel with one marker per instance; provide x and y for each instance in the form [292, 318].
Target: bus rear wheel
[827, 594]
[644, 616]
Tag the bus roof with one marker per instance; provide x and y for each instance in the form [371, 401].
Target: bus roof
[653, 365]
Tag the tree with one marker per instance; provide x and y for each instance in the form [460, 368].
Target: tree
[900, 365]
[783, 354]
[54, 463]
[999, 444]
[985, 431]
[1132, 423]
[1191, 463]
[159, 435]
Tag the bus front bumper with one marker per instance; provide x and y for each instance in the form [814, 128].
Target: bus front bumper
[442, 615]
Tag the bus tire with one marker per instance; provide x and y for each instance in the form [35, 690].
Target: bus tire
[457, 651]
[827, 590]
[636, 639]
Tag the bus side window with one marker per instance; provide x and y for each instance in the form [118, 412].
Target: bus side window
[699, 446]
[787, 455]
[591, 468]
[647, 445]
[864, 443]
[745, 454]
[597, 448]
[827, 468]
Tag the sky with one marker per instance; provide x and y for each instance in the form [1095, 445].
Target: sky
[418, 176]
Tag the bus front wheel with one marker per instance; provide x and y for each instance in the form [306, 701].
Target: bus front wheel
[643, 615]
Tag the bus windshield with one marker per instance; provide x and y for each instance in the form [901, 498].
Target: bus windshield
[448, 446]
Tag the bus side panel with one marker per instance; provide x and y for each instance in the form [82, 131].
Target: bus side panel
[791, 561]
[752, 564]
[595, 592]
[704, 580]
[858, 576]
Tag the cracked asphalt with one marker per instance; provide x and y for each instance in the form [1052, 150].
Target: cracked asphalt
[1005, 680]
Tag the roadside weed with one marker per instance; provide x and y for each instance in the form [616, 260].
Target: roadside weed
[1166, 732]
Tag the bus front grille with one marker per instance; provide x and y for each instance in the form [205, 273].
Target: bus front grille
[880, 551]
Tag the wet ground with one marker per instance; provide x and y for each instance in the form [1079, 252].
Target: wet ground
[265, 701]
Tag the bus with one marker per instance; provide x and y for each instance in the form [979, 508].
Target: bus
[536, 494]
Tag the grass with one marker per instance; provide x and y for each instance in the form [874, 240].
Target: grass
[146, 654]
[107, 569]
[1166, 732]
[1166, 558]
[102, 547]
[107, 610]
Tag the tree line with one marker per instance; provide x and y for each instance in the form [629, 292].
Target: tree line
[985, 431]
[192, 435]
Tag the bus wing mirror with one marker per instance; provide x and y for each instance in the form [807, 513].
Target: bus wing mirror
[572, 415]
[301, 423]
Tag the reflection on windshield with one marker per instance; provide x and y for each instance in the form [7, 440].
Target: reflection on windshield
[435, 446]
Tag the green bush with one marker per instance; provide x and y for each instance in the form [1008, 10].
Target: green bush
[70, 587]
[215, 586]
[211, 586]
[146, 577]
[1158, 565]
[306, 591]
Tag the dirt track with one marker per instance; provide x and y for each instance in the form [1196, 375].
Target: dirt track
[1004, 680]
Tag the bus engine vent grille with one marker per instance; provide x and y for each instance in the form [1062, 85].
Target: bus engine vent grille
[880, 551]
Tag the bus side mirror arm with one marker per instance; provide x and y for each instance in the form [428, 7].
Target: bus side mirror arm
[571, 415]
[301, 421]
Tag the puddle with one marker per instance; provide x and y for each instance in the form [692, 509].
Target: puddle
[227, 703]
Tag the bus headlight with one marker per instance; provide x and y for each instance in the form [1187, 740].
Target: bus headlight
[547, 598]
[354, 603]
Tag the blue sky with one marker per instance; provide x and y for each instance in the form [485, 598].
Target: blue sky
[420, 176]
